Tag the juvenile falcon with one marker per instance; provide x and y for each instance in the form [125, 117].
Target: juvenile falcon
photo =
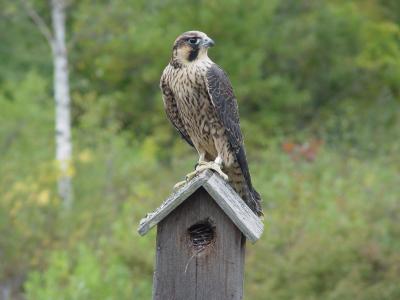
[200, 103]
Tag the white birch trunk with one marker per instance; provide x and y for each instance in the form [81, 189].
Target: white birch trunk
[62, 102]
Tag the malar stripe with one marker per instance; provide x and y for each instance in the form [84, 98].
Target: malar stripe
[193, 54]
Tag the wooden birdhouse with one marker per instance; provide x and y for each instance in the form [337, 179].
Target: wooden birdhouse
[201, 235]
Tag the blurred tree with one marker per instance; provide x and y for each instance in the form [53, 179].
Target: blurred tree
[57, 42]
[318, 89]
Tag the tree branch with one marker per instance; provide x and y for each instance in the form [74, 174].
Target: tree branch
[39, 22]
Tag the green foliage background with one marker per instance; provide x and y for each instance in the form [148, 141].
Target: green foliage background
[318, 84]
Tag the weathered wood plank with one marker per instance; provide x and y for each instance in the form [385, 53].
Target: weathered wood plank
[183, 273]
[236, 209]
[172, 202]
[230, 202]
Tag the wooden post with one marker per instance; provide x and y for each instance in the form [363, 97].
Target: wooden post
[201, 238]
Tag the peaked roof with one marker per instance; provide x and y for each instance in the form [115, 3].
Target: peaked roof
[229, 201]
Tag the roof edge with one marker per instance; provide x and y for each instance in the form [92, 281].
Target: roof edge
[222, 193]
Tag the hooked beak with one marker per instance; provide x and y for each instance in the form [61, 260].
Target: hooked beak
[207, 42]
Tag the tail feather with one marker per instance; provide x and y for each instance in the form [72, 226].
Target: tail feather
[253, 200]
[257, 199]
[250, 196]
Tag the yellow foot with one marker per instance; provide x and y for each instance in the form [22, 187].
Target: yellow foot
[201, 166]
[213, 166]
[180, 184]
[191, 175]
[188, 177]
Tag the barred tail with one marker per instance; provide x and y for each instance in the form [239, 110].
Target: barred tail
[253, 200]
[248, 194]
[257, 201]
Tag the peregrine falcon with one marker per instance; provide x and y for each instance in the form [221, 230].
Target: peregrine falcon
[200, 103]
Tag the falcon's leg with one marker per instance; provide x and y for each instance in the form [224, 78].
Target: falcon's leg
[191, 175]
[213, 165]
[201, 162]
[179, 184]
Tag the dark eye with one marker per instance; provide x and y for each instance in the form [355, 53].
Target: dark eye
[193, 41]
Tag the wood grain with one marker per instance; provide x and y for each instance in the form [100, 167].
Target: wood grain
[182, 273]
[222, 193]
[172, 202]
[237, 210]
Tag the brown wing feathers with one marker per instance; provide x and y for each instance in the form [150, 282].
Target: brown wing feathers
[172, 112]
[223, 98]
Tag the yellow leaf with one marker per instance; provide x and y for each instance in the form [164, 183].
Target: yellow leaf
[85, 156]
[43, 197]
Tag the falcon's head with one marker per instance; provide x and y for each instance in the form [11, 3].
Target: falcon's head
[190, 46]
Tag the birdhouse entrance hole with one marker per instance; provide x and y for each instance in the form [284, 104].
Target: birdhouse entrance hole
[201, 234]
